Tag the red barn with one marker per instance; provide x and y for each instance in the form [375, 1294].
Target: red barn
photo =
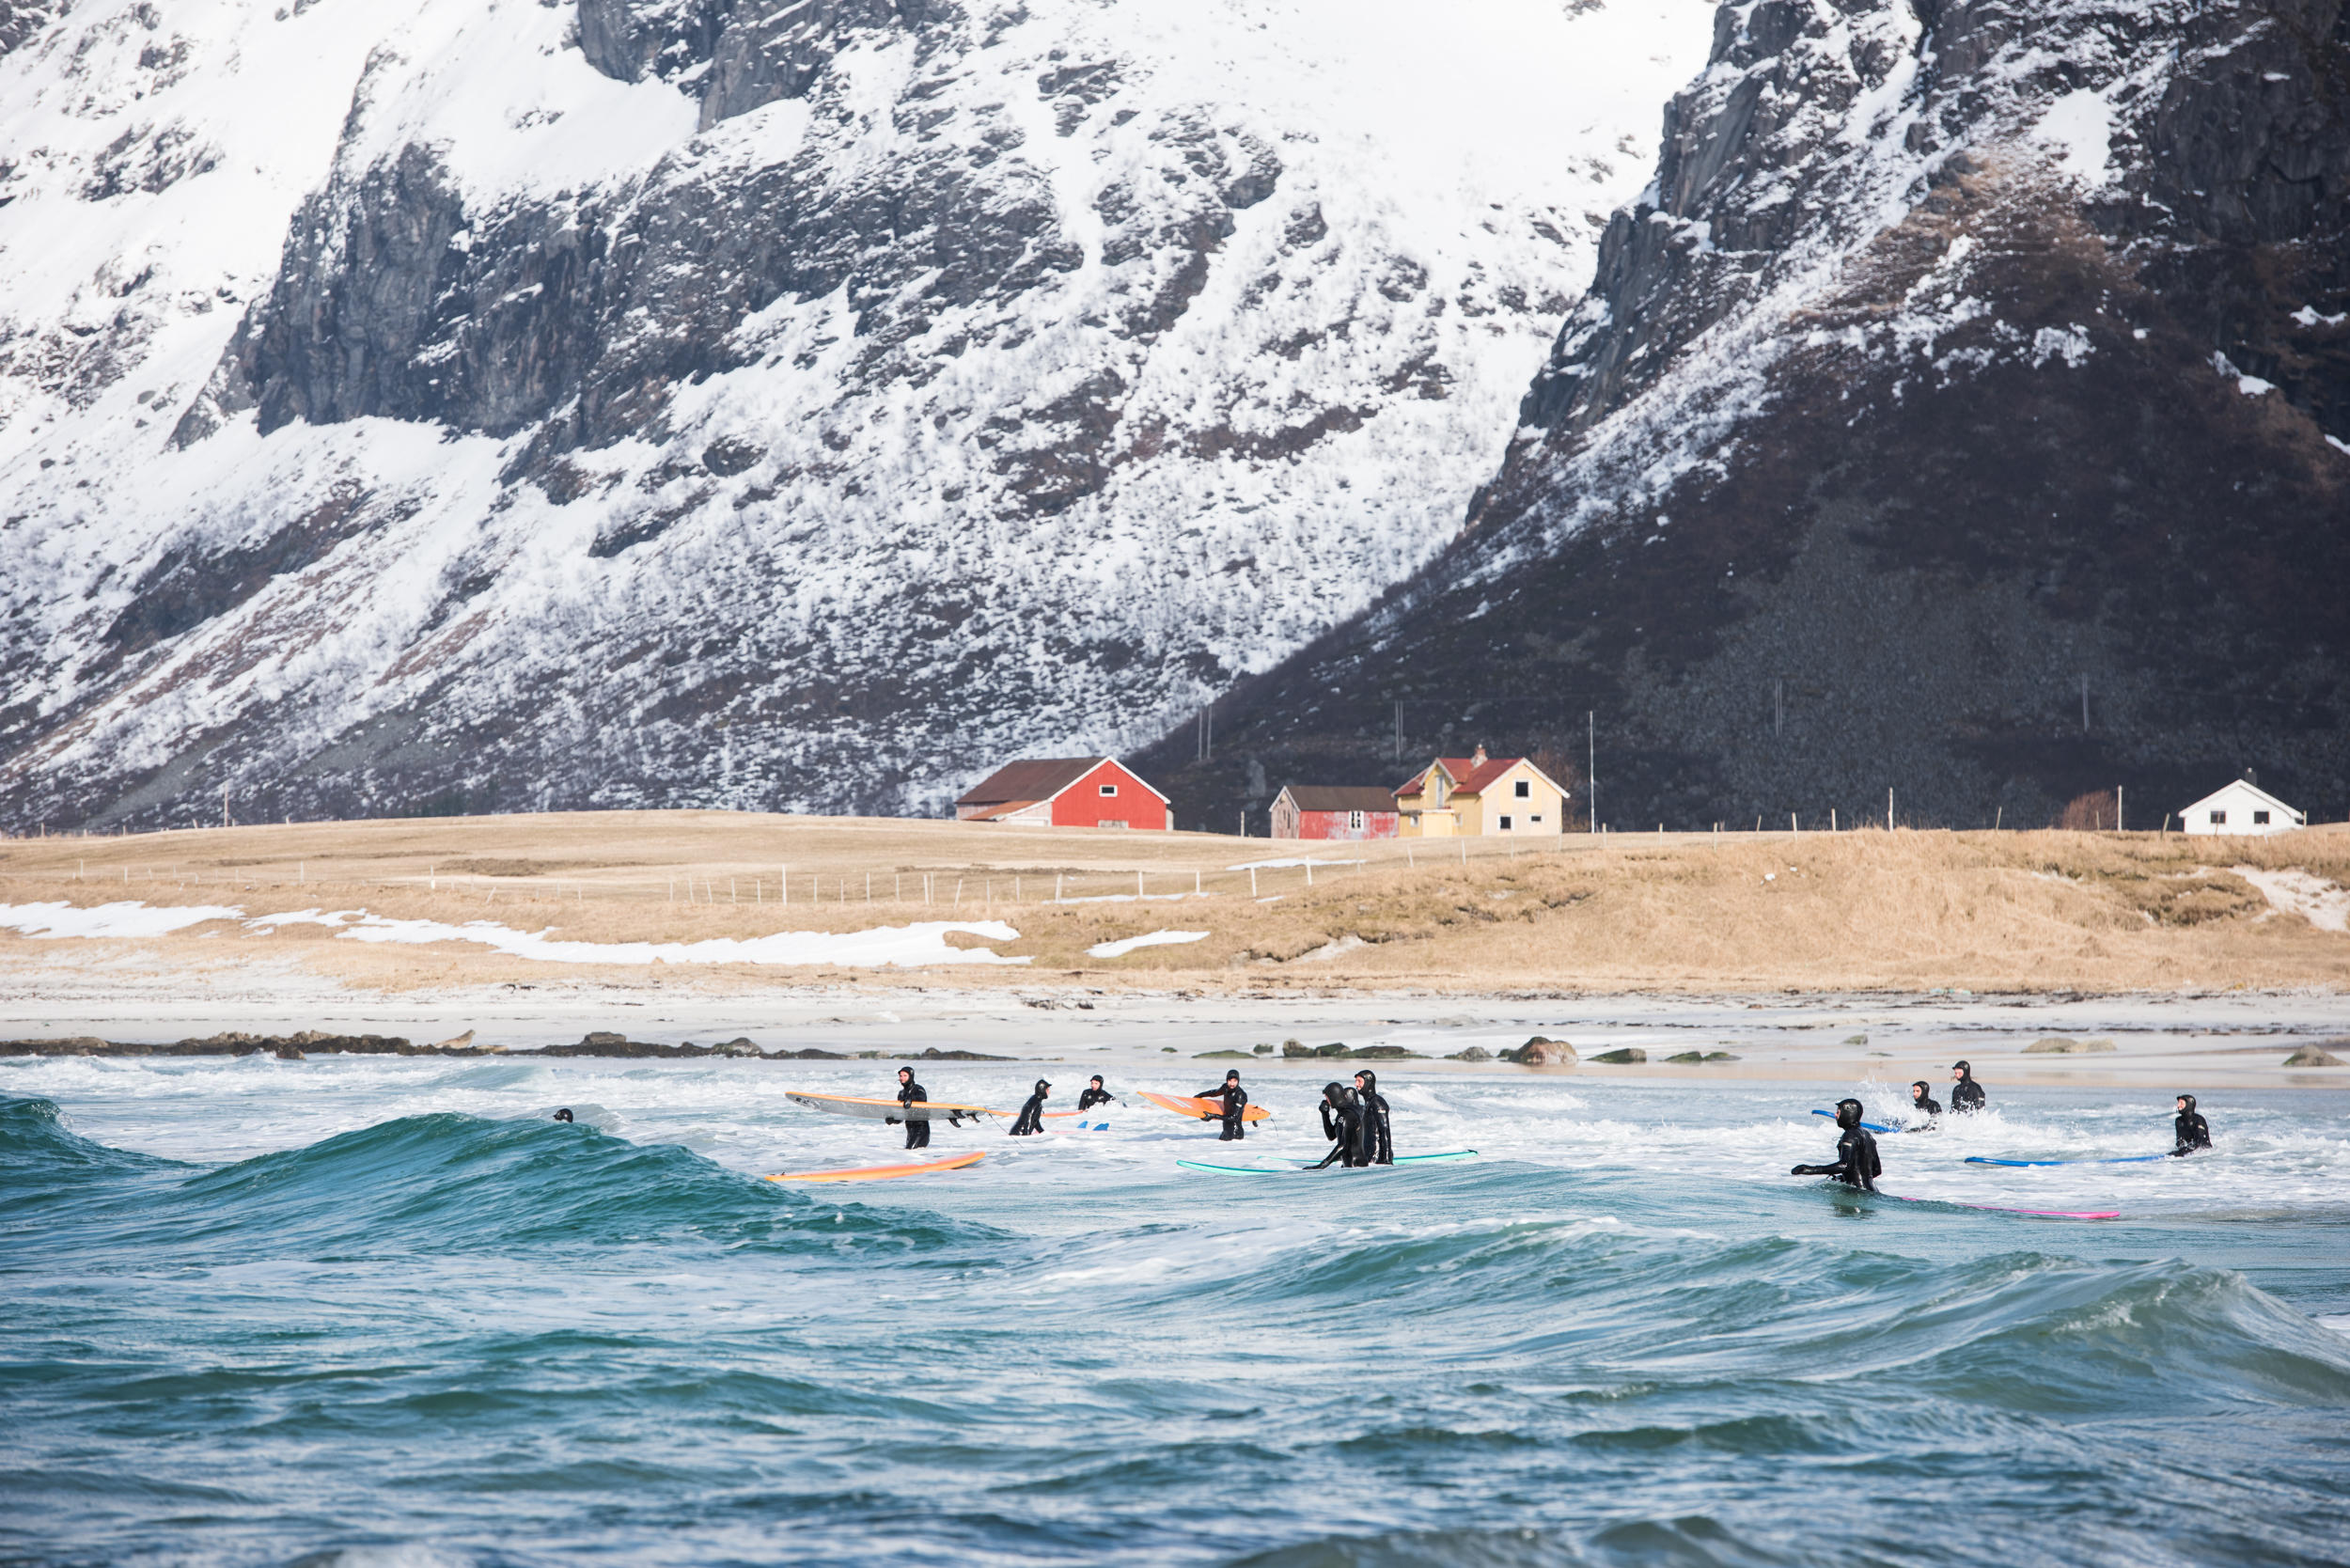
[1065, 792]
[1336, 811]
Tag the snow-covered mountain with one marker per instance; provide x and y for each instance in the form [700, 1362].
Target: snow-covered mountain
[1963, 410]
[414, 404]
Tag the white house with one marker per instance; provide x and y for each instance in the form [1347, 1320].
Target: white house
[2242, 807]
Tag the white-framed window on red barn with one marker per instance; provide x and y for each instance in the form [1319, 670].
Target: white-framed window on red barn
[1354, 821]
[1109, 789]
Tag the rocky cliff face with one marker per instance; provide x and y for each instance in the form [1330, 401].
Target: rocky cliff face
[1964, 410]
[486, 403]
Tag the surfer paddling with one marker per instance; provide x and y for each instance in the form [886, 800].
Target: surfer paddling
[2193, 1131]
[1922, 1102]
[1856, 1163]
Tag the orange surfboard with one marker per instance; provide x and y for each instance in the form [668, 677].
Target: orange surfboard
[1202, 1110]
[881, 1172]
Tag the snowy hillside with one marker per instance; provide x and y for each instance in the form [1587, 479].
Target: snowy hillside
[1963, 410]
[422, 404]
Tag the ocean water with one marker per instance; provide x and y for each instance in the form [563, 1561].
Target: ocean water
[377, 1311]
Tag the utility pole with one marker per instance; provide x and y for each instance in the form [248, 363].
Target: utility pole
[2117, 808]
[223, 808]
[1398, 729]
[1779, 708]
[1590, 767]
[2084, 703]
[1888, 810]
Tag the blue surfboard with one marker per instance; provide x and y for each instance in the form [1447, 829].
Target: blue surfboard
[1871, 1126]
[2119, 1159]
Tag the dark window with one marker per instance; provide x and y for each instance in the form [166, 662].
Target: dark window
[1109, 789]
[2260, 818]
[2219, 816]
[1505, 824]
[1525, 790]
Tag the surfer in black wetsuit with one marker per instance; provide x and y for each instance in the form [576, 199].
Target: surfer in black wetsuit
[1234, 1100]
[1378, 1142]
[1856, 1163]
[2194, 1132]
[1965, 1094]
[1031, 1117]
[1342, 1124]
[564, 1114]
[1921, 1099]
[917, 1127]
[1092, 1094]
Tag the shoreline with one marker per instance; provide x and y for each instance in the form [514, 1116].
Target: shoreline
[2213, 1039]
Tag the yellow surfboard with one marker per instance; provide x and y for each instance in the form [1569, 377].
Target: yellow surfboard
[1199, 1109]
[881, 1172]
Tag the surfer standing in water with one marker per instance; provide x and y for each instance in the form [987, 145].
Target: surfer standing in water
[1235, 1101]
[1921, 1099]
[2194, 1132]
[1342, 1124]
[1092, 1094]
[1856, 1163]
[1967, 1096]
[1378, 1142]
[1031, 1117]
[917, 1127]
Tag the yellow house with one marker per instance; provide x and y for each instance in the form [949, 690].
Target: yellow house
[1478, 796]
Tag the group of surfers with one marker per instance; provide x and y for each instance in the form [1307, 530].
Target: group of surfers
[1858, 1165]
[1355, 1120]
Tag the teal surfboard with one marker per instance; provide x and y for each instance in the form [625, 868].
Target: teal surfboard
[1303, 1168]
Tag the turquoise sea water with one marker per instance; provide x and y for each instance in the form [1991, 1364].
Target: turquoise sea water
[379, 1311]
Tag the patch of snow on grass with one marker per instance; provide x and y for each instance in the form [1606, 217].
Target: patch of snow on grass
[1150, 939]
[2323, 903]
[132, 919]
[2251, 386]
[1272, 865]
[919, 945]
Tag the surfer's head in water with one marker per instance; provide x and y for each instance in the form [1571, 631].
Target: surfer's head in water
[1848, 1114]
[1095, 1080]
[564, 1114]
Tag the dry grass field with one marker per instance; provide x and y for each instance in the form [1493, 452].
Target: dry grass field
[1862, 910]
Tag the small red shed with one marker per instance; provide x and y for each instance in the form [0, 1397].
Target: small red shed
[1336, 811]
[1065, 792]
